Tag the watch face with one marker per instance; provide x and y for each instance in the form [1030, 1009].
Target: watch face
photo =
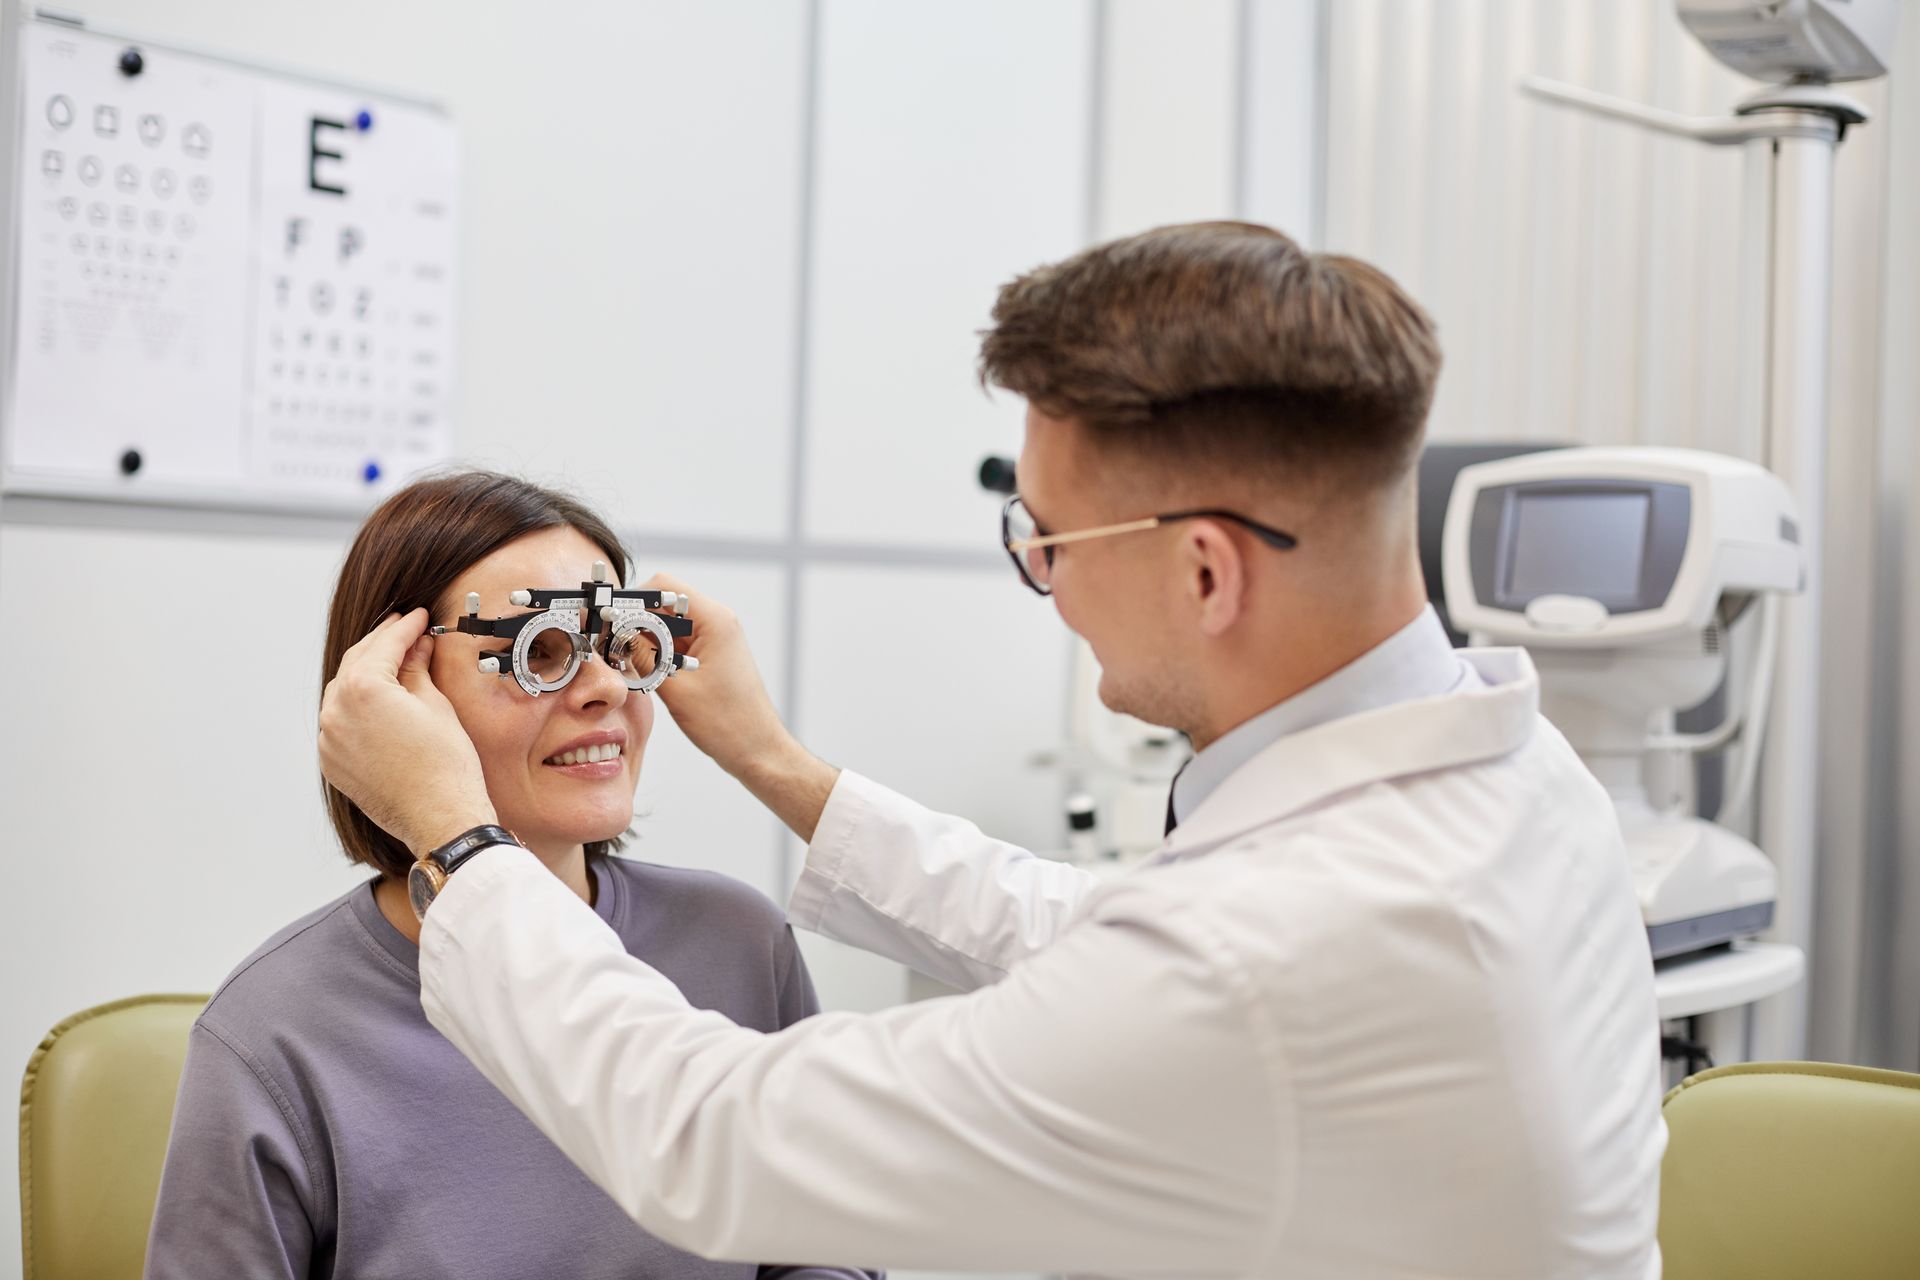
[423, 884]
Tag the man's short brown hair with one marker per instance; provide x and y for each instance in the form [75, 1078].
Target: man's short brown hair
[1223, 343]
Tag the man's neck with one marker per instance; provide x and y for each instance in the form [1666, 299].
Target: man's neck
[1253, 682]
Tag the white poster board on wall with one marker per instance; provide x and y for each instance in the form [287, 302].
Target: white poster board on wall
[230, 286]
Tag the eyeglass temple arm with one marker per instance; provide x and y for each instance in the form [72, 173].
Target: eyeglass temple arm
[1081, 535]
[1266, 533]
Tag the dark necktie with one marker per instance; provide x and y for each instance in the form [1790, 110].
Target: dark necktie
[1172, 821]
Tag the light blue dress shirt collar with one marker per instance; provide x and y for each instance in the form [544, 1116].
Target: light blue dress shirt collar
[1417, 661]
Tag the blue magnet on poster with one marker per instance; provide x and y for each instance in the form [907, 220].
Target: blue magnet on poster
[371, 473]
[363, 121]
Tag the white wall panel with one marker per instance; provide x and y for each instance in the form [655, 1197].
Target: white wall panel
[633, 249]
[1280, 142]
[693, 814]
[952, 154]
[1169, 101]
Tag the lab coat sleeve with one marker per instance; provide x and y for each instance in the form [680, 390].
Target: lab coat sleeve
[1117, 1103]
[927, 890]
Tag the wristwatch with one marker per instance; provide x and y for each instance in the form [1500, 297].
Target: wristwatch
[427, 877]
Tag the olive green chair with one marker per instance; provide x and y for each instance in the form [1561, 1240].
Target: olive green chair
[1792, 1170]
[95, 1110]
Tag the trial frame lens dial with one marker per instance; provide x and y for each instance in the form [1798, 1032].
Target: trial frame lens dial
[640, 648]
[548, 650]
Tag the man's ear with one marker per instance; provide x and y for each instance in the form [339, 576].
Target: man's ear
[1215, 575]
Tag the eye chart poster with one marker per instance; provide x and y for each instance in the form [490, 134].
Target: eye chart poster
[231, 287]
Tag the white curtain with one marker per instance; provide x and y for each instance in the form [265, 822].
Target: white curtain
[1586, 280]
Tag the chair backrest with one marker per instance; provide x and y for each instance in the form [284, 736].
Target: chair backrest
[1792, 1169]
[95, 1111]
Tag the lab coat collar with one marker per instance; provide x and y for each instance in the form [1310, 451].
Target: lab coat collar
[1305, 768]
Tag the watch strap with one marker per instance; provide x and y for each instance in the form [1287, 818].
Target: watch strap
[450, 855]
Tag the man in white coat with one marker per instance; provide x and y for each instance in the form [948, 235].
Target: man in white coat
[1381, 1006]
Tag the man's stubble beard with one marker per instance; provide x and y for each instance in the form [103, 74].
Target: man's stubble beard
[1159, 701]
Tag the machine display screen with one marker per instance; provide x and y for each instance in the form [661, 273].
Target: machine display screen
[1588, 544]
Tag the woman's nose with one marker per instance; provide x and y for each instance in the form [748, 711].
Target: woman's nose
[597, 683]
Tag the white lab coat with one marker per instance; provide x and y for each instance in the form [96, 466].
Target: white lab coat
[1382, 1007]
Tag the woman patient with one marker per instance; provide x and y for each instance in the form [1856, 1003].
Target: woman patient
[323, 1127]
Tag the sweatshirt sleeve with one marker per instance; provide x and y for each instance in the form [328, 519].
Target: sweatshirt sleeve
[238, 1188]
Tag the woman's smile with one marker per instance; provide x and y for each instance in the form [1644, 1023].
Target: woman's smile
[591, 757]
[597, 763]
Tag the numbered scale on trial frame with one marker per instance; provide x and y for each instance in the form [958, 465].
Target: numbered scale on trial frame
[234, 286]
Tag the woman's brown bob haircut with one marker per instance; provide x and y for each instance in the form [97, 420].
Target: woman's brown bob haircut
[409, 554]
[1224, 346]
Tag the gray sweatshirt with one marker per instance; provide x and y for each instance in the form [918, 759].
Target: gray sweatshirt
[325, 1129]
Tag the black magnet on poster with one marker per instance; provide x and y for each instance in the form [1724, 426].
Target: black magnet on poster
[131, 63]
[130, 462]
